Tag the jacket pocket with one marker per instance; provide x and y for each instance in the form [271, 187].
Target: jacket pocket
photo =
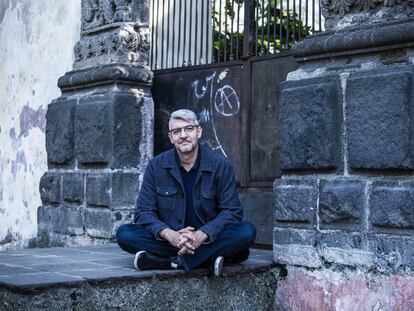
[166, 198]
[208, 203]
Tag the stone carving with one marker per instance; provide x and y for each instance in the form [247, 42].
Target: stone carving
[332, 7]
[128, 43]
[145, 37]
[97, 13]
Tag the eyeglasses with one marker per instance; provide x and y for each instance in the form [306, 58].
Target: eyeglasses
[187, 129]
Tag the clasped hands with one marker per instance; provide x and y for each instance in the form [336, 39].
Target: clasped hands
[186, 239]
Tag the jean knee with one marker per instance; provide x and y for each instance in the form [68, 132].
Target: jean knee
[122, 233]
[249, 232]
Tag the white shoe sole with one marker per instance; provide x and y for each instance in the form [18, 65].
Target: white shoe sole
[218, 266]
[136, 259]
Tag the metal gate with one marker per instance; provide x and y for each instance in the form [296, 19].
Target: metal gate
[235, 95]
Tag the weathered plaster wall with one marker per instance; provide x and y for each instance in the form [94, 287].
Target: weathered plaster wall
[324, 290]
[37, 39]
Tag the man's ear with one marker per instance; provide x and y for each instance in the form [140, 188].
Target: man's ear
[200, 132]
[170, 137]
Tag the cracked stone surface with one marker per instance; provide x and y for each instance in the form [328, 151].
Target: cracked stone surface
[103, 277]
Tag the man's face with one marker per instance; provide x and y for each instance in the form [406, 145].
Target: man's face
[184, 135]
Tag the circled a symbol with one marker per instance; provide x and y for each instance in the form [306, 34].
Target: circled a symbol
[226, 101]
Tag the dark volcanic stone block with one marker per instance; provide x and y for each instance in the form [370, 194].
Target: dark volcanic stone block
[59, 131]
[295, 247]
[124, 188]
[73, 185]
[340, 240]
[62, 219]
[295, 200]
[341, 202]
[379, 119]
[50, 188]
[309, 123]
[92, 132]
[392, 204]
[98, 188]
[393, 253]
[98, 222]
[127, 130]
[294, 236]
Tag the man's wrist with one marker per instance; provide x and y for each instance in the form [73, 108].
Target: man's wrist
[204, 236]
[163, 233]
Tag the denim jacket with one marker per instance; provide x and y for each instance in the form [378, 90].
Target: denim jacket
[161, 201]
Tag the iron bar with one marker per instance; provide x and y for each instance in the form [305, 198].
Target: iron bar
[213, 35]
[268, 26]
[162, 35]
[153, 48]
[173, 36]
[168, 33]
[196, 32]
[257, 26]
[300, 20]
[219, 35]
[320, 15]
[313, 16]
[250, 24]
[262, 30]
[179, 33]
[185, 32]
[274, 26]
[190, 34]
[294, 20]
[307, 14]
[232, 30]
[225, 30]
[281, 24]
[287, 24]
[238, 30]
[200, 60]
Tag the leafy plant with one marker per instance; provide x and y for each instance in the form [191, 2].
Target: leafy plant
[274, 29]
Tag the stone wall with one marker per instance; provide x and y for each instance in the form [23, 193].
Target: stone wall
[99, 132]
[37, 39]
[344, 205]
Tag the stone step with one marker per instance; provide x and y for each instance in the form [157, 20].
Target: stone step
[103, 278]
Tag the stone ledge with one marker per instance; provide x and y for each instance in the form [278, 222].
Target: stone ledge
[103, 277]
[104, 74]
[355, 39]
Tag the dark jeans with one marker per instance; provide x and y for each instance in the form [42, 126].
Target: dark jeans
[232, 243]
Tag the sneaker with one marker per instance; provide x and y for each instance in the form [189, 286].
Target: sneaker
[218, 266]
[146, 261]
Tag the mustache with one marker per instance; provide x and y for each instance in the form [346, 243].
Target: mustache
[184, 139]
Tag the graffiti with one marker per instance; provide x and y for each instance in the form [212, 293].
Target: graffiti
[224, 101]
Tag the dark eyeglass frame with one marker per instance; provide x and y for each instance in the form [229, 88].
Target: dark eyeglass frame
[187, 129]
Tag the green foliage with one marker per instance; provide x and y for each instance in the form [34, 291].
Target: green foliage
[274, 29]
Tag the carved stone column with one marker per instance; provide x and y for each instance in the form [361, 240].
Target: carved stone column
[345, 202]
[99, 133]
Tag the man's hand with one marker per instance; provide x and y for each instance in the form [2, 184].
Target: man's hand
[195, 239]
[173, 237]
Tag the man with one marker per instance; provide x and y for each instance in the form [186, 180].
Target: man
[188, 213]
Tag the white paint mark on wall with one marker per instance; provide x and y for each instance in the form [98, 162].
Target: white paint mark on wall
[39, 37]
[225, 101]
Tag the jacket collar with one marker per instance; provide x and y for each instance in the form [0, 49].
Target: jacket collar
[206, 163]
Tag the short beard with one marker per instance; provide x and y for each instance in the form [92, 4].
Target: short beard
[186, 149]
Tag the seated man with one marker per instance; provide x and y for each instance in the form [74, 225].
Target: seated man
[188, 212]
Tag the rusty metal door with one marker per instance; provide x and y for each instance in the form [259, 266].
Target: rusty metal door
[236, 103]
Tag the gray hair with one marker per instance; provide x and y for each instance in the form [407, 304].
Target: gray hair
[184, 114]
